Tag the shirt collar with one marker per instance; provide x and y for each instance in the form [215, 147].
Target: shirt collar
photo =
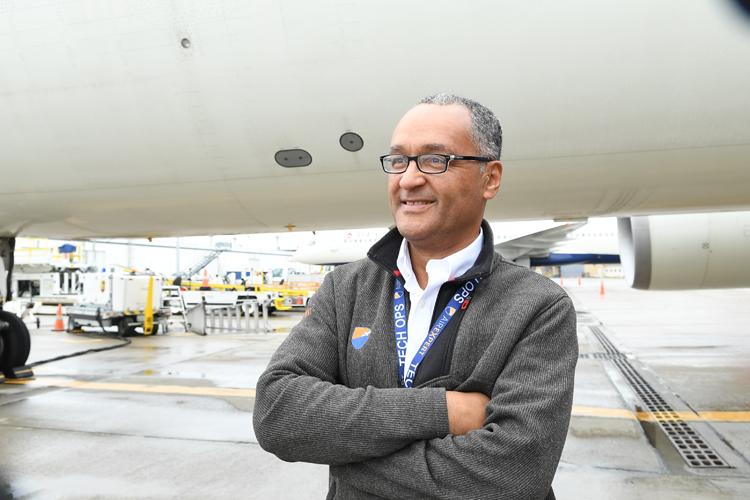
[439, 270]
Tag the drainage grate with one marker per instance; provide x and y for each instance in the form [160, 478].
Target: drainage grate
[601, 355]
[693, 448]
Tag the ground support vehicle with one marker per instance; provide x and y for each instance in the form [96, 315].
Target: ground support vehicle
[229, 295]
[127, 301]
[297, 301]
[215, 298]
[49, 285]
[281, 297]
[48, 303]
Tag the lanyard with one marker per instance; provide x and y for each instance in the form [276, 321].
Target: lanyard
[458, 301]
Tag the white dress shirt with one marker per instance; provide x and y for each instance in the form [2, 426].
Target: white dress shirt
[423, 301]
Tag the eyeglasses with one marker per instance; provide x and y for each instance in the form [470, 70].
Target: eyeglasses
[428, 164]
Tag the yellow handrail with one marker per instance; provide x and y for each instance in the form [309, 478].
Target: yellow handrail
[43, 250]
[281, 290]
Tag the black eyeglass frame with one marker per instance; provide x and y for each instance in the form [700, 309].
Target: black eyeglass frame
[415, 159]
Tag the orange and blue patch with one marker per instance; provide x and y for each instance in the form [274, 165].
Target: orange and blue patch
[360, 336]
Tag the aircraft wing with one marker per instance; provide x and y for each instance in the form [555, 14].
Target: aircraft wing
[539, 244]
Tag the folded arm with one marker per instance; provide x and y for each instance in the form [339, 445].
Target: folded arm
[302, 413]
[515, 453]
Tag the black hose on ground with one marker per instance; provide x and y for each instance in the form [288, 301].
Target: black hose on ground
[88, 351]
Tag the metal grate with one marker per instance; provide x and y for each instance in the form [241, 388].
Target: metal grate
[692, 447]
[601, 355]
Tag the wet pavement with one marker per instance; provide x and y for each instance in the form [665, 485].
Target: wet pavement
[692, 347]
[170, 416]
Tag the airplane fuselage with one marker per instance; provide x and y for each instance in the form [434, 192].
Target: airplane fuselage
[166, 119]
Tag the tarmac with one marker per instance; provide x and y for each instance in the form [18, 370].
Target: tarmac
[170, 416]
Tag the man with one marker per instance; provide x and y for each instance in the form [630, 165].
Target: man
[434, 368]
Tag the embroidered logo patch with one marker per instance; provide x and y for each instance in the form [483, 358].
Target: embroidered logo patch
[360, 336]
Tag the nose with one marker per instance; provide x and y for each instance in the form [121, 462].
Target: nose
[412, 177]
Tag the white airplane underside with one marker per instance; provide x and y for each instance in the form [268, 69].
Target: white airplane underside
[153, 118]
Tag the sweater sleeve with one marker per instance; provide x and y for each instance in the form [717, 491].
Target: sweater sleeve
[303, 413]
[515, 454]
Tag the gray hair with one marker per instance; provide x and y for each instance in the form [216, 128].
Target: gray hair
[486, 132]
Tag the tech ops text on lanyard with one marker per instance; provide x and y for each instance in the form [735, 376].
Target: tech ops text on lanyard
[406, 377]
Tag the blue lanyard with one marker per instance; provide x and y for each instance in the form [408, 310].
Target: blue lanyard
[459, 301]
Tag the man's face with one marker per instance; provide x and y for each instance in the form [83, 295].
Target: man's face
[439, 209]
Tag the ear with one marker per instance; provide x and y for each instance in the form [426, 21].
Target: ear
[493, 173]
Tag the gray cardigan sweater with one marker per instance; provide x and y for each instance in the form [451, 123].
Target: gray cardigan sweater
[321, 400]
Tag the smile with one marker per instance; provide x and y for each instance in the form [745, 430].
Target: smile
[417, 202]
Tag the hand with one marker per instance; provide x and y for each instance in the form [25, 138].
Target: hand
[466, 411]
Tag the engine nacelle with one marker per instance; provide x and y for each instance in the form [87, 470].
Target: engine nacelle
[686, 252]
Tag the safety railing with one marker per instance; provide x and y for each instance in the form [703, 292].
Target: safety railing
[230, 318]
[38, 250]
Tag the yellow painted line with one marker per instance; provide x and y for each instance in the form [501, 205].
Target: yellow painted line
[578, 411]
[725, 416]
[158, 389]
[668, 416]
[709, 416]
[591, 411]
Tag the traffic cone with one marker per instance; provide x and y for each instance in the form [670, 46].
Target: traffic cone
[59, 323]
[601, 289]
[205, 279]
[579, 281]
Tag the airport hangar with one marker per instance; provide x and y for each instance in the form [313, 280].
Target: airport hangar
[145, 120]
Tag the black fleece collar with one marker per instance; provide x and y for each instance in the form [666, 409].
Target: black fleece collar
[385, 254]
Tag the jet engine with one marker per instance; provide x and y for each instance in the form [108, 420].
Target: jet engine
[686, 252]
